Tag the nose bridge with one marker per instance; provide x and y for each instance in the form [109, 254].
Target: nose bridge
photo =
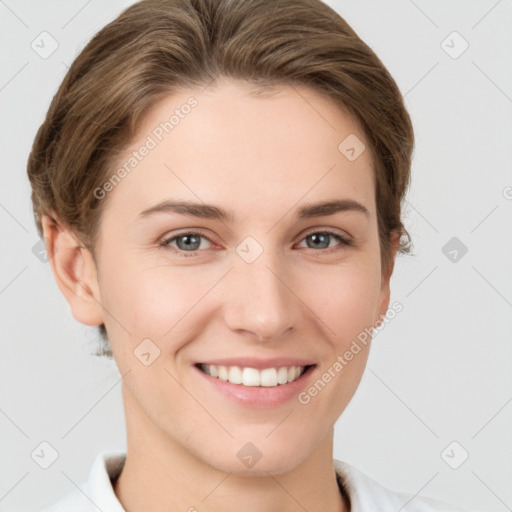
[260, 300]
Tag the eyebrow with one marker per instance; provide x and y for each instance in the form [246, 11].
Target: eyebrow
[209, 211]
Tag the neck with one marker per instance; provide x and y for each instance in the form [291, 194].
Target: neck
[159, 475]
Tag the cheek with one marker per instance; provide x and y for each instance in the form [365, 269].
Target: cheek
[159, 301]
[151, 300]
[345, 298]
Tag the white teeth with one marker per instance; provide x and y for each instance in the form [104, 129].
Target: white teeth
[235, 375]
[268, 377]
[223, 372]
[282, 375]
[251, 377]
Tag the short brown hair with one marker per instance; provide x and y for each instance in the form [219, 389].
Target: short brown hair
[155, 47]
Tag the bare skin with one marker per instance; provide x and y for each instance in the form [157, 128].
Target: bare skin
[262, 158]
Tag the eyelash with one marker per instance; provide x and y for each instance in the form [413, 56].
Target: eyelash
[165, 243]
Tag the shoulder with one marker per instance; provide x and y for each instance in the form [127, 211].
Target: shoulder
[367, 495]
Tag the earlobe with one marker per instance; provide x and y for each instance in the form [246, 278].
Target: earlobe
[74, 270]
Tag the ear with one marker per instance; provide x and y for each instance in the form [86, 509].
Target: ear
[386, 276]
[74, 270]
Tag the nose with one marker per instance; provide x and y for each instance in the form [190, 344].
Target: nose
[259, 300]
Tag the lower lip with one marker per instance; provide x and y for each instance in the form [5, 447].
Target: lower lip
[258, 396]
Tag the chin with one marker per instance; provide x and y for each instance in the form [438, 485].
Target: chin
[249, 460]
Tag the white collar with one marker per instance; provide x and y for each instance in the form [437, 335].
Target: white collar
[365, 494]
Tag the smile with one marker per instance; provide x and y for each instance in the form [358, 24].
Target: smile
[252, 377]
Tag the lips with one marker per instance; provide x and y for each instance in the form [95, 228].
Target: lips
[256, 388]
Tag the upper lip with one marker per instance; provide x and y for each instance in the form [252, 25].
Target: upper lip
[253, 362]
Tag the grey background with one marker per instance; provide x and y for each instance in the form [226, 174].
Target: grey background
[439, 372]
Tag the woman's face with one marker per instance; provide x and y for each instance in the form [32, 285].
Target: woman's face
[261, 286]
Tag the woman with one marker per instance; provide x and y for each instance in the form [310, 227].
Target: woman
[219, 184]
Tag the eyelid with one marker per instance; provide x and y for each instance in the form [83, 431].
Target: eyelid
[191, 231]
[331, 231]
[344, 239]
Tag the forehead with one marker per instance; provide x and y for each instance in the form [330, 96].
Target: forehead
[247, 145]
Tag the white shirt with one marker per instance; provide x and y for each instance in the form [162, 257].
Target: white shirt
[365, 494]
